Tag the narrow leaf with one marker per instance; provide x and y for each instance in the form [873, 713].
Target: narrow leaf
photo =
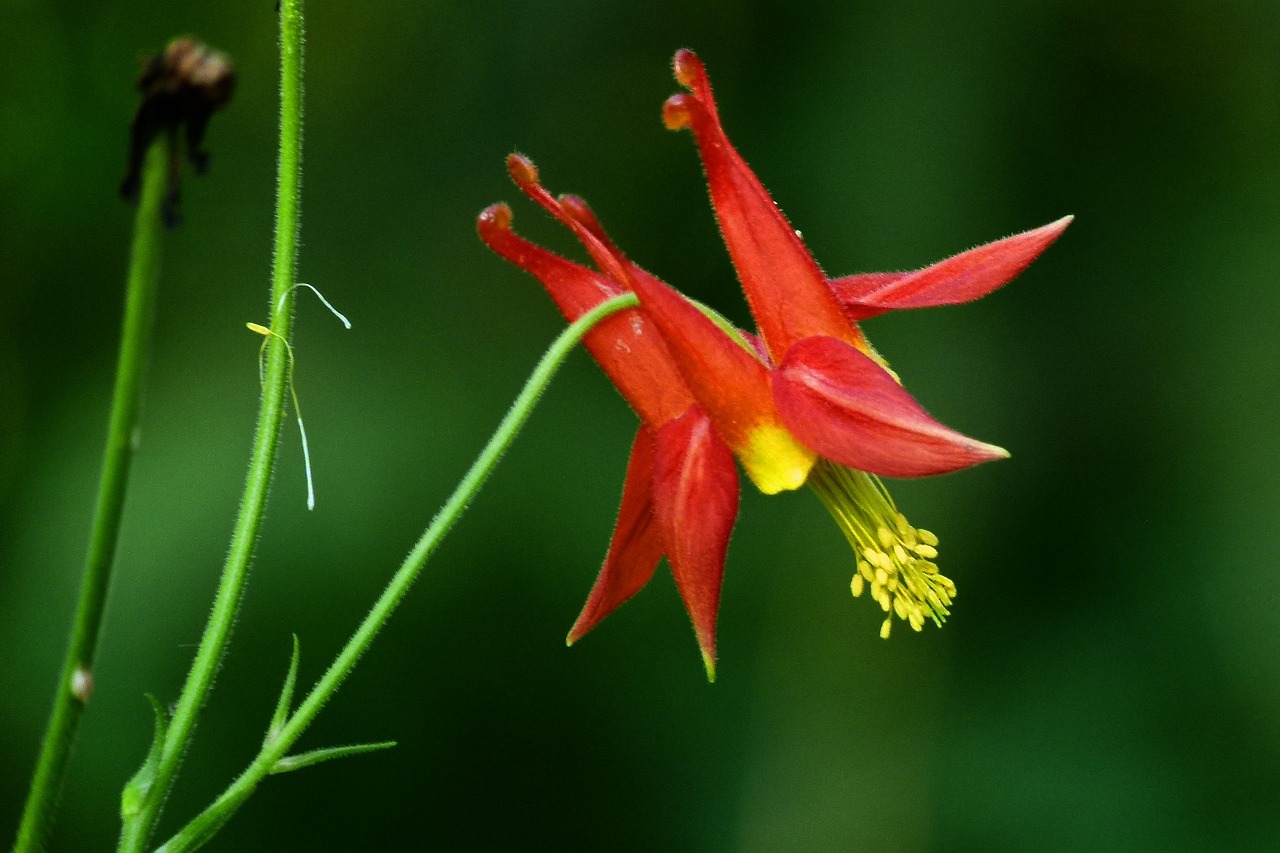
[286, 696]
[136, 789]
[315, 756]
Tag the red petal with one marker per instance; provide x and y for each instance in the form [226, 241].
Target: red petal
[785, 288]
[731, 384]
[960, 278]
[588, 230]
[626, 345]
[695, 496]
[849, 289]
[850, 410]
[636, 546]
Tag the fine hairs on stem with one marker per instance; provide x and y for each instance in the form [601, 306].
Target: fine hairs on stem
[174, 737]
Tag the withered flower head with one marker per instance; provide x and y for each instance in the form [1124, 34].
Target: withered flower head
[181, 88]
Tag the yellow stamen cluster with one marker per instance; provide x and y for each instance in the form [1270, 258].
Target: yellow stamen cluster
[895, 560]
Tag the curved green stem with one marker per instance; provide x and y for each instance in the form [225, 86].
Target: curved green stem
[139, 823]
[204, 825]
[75, 682]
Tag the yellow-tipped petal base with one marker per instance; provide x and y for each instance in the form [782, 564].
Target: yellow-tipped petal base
[774, 460]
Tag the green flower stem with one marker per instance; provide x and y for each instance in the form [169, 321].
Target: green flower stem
[138, 826]
[75, 681]
[204, 825]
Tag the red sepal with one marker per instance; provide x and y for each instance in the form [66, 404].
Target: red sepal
[785, 288]
[695, 498]
[960, 278]
[729, 382]
[625, 345]
[636, 546]
[846, 407]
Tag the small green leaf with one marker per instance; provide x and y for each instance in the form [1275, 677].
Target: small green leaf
[136, 789]
[286, 696]
[315, 756]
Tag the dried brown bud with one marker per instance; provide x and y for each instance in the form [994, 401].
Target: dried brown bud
[181, 88]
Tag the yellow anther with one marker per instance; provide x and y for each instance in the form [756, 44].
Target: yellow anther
[895, 560]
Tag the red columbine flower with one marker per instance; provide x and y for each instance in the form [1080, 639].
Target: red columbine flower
[807, 402]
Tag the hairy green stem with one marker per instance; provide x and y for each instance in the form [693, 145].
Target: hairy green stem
[204, 825]
[138, 826]
[75, 682]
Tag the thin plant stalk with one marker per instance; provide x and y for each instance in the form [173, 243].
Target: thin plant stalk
[75, 682]
[204, 825]
[138, 826]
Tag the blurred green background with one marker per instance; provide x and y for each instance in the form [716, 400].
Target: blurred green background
[1110, 679]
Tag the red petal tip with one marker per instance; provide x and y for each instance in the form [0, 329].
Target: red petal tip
[687, 67]
[494, 217]
[581, 628]
[522, 170]
[677, 113]
[525, 175]
[1045, 234]
[577, 208]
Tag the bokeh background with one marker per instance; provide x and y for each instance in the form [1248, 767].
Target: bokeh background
[1110, 679]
